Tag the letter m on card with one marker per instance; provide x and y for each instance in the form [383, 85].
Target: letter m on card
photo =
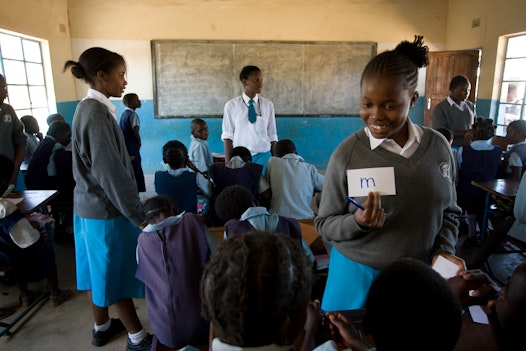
[361, 181]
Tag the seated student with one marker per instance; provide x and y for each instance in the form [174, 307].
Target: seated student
[178, 182]
[255, 292]
[292, 181]
[22, 247]
[448, 134]
[172, 252]
[34, 137]
[508, 312]
[514, 161]
[409, 307]
[55, 117]
[477, 161]
[236, 207]
[42, 170]
[199, 151]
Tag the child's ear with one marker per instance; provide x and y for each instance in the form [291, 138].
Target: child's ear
[414, 98]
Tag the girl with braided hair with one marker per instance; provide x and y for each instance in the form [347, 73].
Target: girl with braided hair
[255, 292]
[420, 220]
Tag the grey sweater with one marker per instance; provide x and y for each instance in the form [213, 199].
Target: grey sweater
[450, 117]
[12, 135]
[105, 184]
[420, 218]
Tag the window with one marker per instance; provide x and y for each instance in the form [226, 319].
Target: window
[22, 64]
[513, 84]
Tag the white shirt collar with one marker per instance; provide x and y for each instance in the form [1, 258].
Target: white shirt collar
[414, 135]
[246, 98]
[460, 106]
[164, 223]
[97, 95]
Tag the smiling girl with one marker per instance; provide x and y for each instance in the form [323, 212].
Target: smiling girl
[106, 203]
[420, 220]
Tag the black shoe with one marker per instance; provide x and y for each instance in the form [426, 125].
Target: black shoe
[144, 345]
[101, 338]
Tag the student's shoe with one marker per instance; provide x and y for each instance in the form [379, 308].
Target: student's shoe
[144, 345]
[101, 338]
[60, 296]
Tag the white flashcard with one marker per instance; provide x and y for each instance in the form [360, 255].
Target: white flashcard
[478, 315]
[361, 181]
[445, 267]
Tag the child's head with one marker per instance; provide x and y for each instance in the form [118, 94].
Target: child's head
[483, 128]
[54, 117]
[3, 89]
[511, 304]
[283, 147]
[61, 131]
[516, 131]
[447, 133]
[131, 100]
[102, 69]
[7, 167]
[242, 152]
[30, 124]
[158, 208]
[255, 290]
[199, 129]
[252, 80]
[232, 202]
[392, 76]
[459, 88]
[512, 93]
[410, 295]
[175, 154]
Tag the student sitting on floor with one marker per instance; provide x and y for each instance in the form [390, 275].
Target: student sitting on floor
[255, 292]
[178, 182]
[409, 307]
[22, 247]
[171, 254]
[236, 207]
[292, 181]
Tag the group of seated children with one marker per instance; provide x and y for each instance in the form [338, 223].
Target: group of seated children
[193, 171]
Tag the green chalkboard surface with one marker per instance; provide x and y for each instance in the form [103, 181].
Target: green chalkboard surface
[196, 78]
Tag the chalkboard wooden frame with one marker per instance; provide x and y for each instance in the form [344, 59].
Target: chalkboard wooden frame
[196, 78]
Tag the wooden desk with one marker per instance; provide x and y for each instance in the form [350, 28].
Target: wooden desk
[503, 188]
[33, 199]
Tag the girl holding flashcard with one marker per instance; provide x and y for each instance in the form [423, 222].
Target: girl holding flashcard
[415, 219]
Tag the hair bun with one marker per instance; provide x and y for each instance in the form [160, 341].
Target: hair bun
[416, 51]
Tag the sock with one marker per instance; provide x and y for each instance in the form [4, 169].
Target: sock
[102, 327]
[136, 338]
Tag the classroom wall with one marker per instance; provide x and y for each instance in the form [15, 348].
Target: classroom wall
[128, 26]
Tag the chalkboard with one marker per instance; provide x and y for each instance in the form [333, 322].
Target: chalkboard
[196, 78]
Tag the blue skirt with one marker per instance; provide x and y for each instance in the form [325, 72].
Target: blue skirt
[106, 261]
[262, 159]
[347, 284]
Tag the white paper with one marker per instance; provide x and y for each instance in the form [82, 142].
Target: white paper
[445, 267]
[361, 181]
[478, 315]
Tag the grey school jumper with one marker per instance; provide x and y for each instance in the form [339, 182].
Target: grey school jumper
[420, 219]
[105, 184]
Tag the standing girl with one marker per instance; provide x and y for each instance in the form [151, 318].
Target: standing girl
[249, 119]
[106, 202]
[420, 220]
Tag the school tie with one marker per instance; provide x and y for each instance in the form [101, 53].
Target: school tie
[251, 112]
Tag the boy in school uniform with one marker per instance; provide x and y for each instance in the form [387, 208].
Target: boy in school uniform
[130, 126]
[292, 181]
[199, 151]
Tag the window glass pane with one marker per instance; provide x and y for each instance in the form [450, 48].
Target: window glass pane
[15, 72]
[38, 96]
[501, 118]
[41, 115]
[18, 96]
[32, 51]
[35, 74]
[24, 112]
[512, 92]
[516, 47]
[11, 46]
[514, 69]
[501, 130]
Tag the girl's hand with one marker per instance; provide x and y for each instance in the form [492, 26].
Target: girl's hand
[374, 215]
[313, 316]
[344, 333]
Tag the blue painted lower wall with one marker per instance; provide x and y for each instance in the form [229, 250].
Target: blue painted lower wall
[315, 137]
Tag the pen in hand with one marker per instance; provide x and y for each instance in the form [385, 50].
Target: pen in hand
[354, 202]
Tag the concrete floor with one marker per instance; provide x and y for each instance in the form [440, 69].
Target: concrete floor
[68, 326]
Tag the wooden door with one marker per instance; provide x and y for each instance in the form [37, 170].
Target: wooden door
[443, 66]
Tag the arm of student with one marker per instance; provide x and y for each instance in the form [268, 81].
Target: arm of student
[471, 287]
[311, 325]
[137, 135]
[20, 153]
[347, 332]
[228, 146]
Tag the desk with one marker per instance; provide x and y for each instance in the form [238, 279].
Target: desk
[503, 188]
[33, 199]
